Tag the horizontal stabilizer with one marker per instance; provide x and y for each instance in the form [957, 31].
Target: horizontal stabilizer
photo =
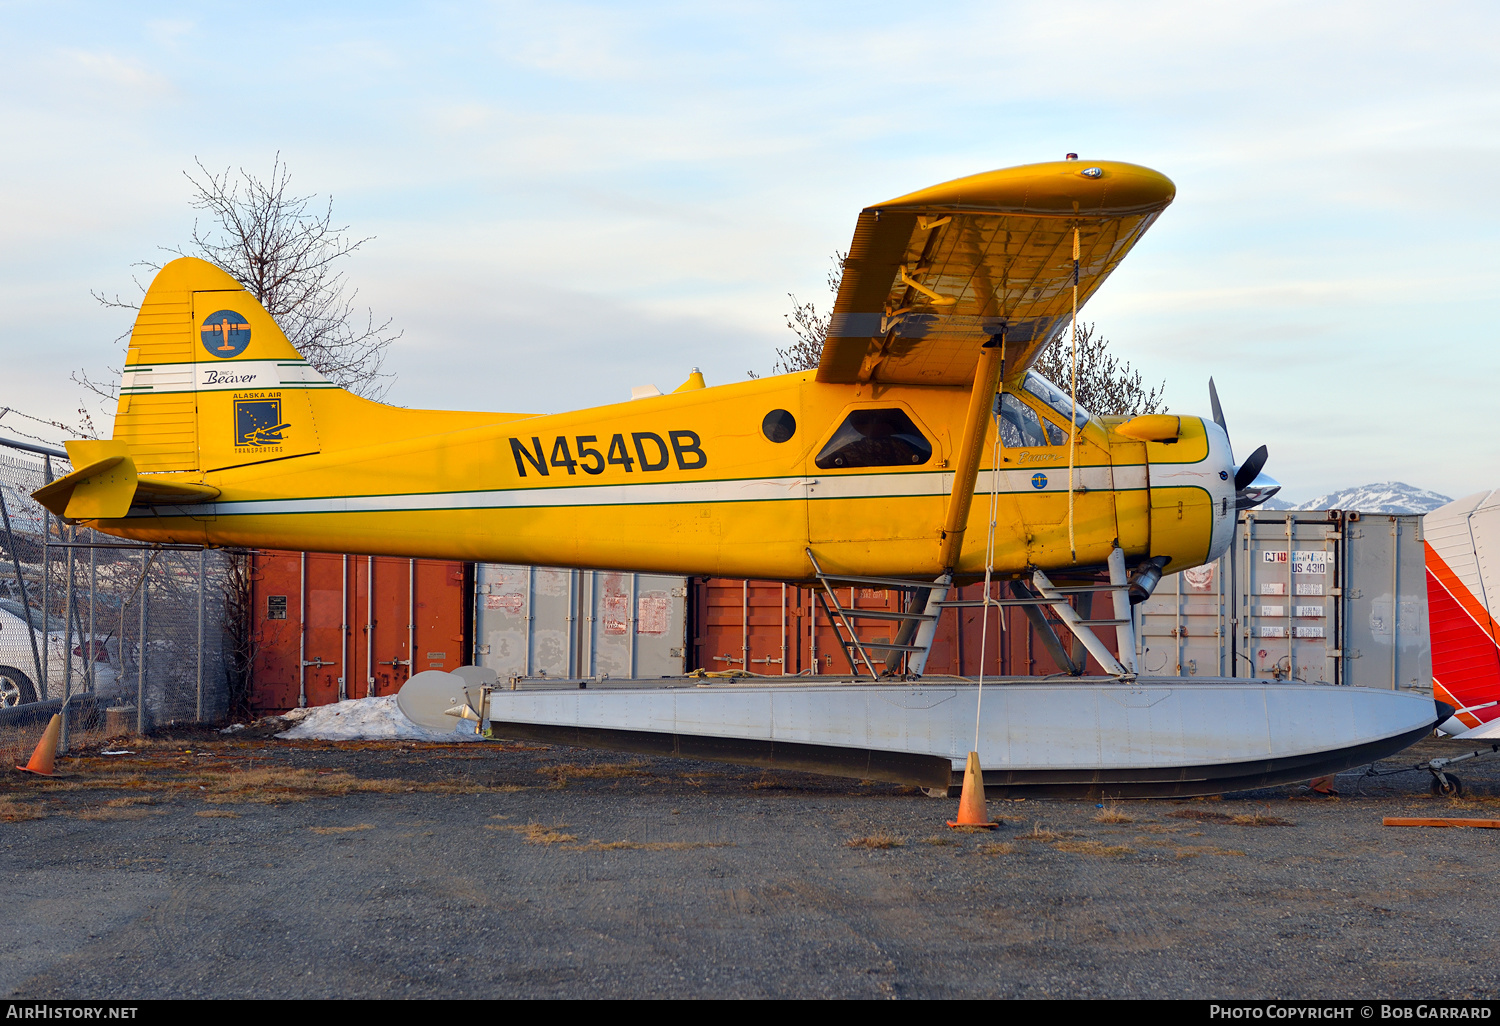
[106, 485]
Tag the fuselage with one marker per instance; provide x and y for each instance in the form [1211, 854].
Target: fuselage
[738, 480]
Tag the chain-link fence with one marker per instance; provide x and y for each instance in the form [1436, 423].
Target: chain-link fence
[132, 635]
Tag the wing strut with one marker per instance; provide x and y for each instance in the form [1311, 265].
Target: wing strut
[970, 442]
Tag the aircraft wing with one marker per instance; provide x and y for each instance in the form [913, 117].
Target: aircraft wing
[933, 275]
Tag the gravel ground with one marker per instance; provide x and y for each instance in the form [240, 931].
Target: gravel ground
[201, 866]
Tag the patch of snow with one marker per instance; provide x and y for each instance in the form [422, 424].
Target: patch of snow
[367, 719]
[233, 728]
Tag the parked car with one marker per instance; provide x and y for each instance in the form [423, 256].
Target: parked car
[18, 668]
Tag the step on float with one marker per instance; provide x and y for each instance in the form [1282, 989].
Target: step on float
[1090, 737]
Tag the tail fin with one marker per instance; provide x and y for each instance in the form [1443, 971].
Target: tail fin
[1462, 540]
[210, 380]
[211, 384]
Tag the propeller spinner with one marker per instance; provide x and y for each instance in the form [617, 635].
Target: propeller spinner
[1251, 486]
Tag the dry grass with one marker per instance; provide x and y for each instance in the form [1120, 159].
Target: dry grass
[1201, 815]
[109, 815]
[234, 781]
[766, 783]
[1098, 848]
[562, 772]
[19, 812]
[537, 833]
[1041, 833]
[597, 845]
[342, 829]
[1260, 819]
[1192, 851]
[939, 841]
[217, 814]
[879, 842]
[1111, 814]
[998, 848]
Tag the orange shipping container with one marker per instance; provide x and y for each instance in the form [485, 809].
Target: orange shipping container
[321, 633]
[767, 627]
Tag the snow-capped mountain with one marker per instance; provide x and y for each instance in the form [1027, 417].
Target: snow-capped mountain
[1386, 497]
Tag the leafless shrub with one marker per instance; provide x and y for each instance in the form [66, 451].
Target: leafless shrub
[285, 249]
[1106, 385]
[810, 327]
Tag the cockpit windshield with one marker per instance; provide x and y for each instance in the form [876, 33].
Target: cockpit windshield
[1054, 397]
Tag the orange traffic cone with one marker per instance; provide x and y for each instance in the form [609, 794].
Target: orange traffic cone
[1323, 785]
[43, 759]
[971, 808]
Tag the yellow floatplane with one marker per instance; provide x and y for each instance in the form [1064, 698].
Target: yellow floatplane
[864, 469]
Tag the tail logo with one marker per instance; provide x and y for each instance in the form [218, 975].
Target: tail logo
[225, 334]
[258, 423]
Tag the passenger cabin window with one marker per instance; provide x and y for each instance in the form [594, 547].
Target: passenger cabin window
[875, 438]
[1054, 397]
[1020, 427]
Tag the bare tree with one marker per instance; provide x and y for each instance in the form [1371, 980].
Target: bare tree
[284, 249]
[1106, 385]
[810, 327]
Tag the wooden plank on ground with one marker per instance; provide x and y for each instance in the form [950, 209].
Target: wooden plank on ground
[1424, 821]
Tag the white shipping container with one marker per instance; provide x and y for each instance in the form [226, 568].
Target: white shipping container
[1369, 620]
[544, 622]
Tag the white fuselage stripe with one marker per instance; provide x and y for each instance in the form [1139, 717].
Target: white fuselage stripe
[782, 489]
[221, 377]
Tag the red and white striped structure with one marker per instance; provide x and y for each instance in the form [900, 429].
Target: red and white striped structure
[1463, 598]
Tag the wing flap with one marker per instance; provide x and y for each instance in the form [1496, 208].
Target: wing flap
[932, 276]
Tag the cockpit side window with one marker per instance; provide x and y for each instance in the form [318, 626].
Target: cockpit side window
[1020, 427]
[875, 438]
[1055, 434]
[1054, 397]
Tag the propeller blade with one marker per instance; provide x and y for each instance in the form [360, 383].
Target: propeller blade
[1213, 398]
[1250, 469]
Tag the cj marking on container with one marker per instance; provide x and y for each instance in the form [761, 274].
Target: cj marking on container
[1039, 480]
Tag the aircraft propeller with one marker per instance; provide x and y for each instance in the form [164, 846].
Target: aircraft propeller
[1251, 486]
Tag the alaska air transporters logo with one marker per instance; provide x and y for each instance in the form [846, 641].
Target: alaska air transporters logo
[258, 423]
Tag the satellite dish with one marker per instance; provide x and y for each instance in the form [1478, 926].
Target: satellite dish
[426, 698]
[476, 679]
[477, 676]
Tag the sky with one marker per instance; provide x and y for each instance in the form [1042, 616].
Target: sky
[567, 200]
